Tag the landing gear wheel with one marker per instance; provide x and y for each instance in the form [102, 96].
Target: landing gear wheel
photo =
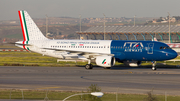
[89, 66]
[154, 65]
[107, 67]
[154, 68]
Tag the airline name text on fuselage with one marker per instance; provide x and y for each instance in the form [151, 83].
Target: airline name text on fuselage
[72, 42]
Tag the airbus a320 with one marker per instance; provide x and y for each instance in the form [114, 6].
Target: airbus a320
[102, 52]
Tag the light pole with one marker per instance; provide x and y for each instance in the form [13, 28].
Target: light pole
[104, 25]
[134, 20]
[117, 94]
[46, 25]
[80, 22]
[169, 29]
[80, 25]
[98, 94]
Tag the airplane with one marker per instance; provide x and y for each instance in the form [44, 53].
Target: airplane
[102, 52]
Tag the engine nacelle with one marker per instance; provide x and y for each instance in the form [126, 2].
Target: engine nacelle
[105, 61]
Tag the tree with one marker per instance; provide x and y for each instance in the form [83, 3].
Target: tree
[71, 36]
[83, 97]
[89, 97]
[150, 97]
[159, 20]
[93, 88]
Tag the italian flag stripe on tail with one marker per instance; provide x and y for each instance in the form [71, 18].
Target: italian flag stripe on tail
[23, 25]
[24, 28]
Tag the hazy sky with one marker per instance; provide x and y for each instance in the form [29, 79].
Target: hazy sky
[89, 8]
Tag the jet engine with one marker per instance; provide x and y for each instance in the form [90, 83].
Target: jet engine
[105, 61]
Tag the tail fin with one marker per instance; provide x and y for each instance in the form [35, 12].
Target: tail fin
[29, 28]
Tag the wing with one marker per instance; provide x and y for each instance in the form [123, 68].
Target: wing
[79, 52]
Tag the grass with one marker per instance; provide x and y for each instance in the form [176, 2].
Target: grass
[59, 95]
[15, 36]
[28, 59]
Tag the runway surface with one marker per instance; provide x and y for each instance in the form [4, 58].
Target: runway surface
[128, 80]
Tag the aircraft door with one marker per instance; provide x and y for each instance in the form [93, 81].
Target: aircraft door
[150, 48]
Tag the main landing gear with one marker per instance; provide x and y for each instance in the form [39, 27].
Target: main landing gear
[89, 66]
[153, 65]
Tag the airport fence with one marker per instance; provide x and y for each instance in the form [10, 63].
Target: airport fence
[52, 95]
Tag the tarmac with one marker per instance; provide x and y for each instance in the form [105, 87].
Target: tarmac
[126, 80]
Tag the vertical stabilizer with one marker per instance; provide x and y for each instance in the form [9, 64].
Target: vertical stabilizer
[29, 28]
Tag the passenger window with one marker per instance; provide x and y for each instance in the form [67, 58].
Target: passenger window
[164, 47]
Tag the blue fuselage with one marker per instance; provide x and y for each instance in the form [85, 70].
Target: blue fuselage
[141, 51]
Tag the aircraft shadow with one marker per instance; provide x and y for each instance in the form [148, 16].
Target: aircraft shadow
[122, 67]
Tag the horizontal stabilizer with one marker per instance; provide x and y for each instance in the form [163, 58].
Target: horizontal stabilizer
[17, 43]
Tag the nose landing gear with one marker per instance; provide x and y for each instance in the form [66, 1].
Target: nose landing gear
[153, 65]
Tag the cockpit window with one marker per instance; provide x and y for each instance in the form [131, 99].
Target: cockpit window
[164, 47]
[168, 47]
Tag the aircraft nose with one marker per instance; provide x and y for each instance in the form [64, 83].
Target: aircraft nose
[173, 54]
